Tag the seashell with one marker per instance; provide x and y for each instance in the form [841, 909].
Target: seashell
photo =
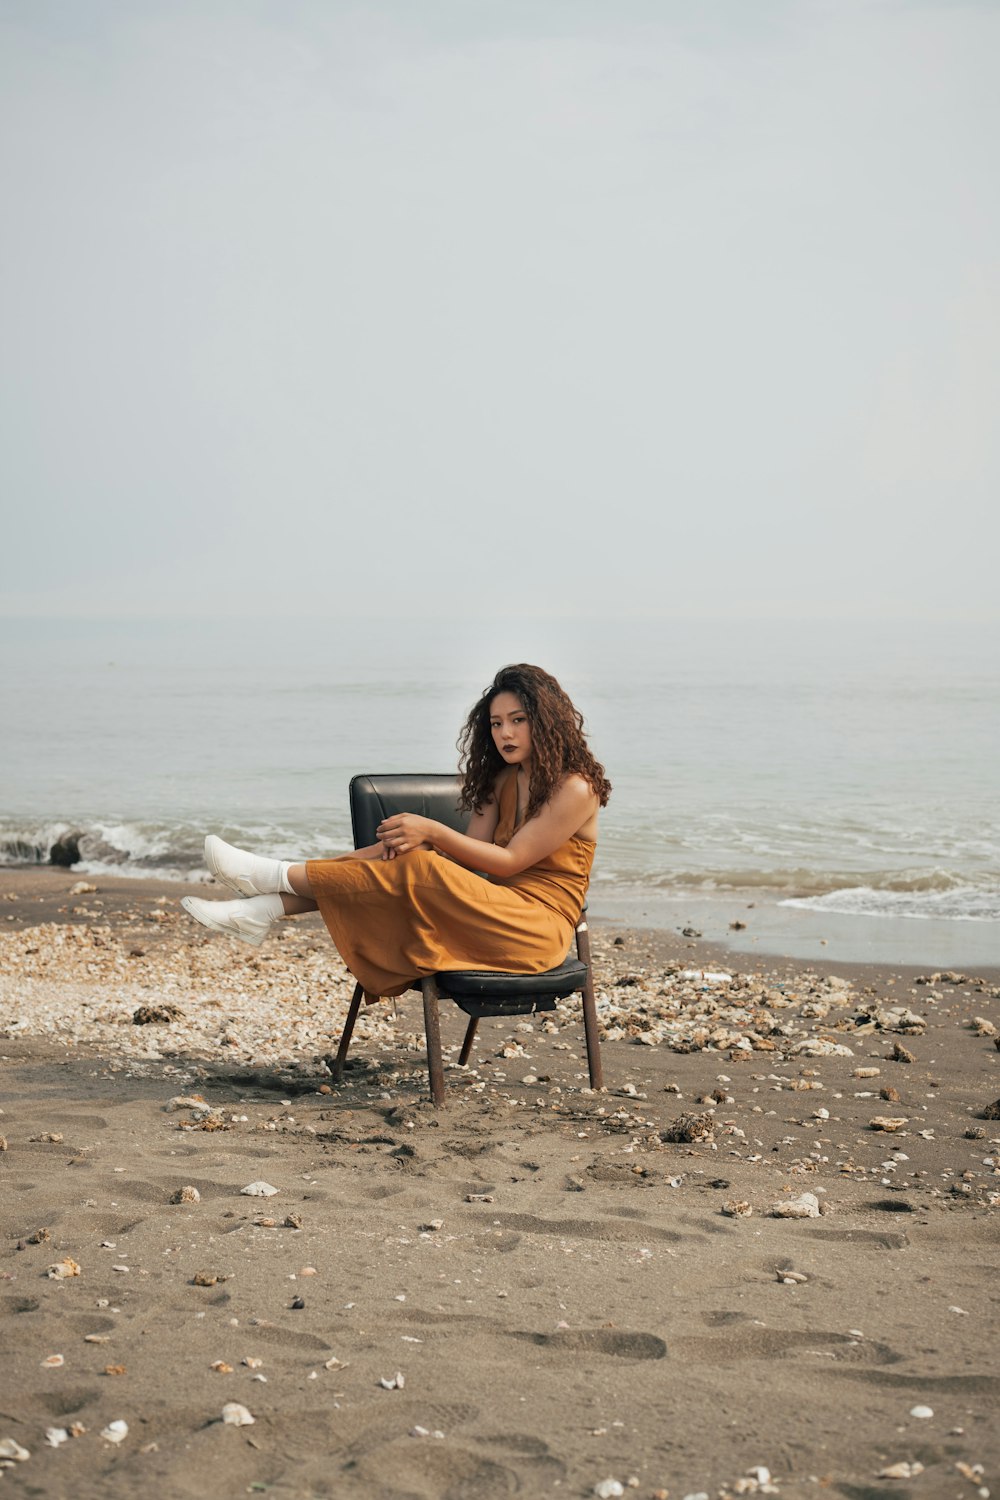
[13, 1451]
[53, 1362]
[206, 1278]
[39, 1237]
[187, 1101]
[308, 1271]
[902, 1470]
[431, 1226]
[56, 1436]
[608, 1488]
[220, 1367]
[186, 1195]
[50, 1138]
[395, 1384]
[63, 1269]
[735, 1208]
[866, 1072]
[889, 1123]
[115, 1432]
[76, 1429]
[252, 1362]
[293, 1221]
[479, 1198]
[923, 1412]
[114, 1370]
[258, 1190]
[235, 1415]
[335, 1364]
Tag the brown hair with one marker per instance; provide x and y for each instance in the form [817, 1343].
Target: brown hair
[558, 746]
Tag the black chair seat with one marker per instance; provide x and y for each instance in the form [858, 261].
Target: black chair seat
[481, 992]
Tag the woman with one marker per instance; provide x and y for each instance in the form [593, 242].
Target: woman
[415, 902]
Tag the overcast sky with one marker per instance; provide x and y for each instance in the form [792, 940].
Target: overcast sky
[686, 307]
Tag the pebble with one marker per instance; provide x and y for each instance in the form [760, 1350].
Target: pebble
[924, 1412]
[258, 1190]
[806, 1206]
[56, 1436]
[9, 1449]
[53, 1362]
[902, 1470]
[186, 1195]
[235, 1415]
[608, 1488]
[115, 1432]
[735, 1208]
[889, 1123]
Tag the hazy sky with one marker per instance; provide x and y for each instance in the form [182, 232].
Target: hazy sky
[685, 307]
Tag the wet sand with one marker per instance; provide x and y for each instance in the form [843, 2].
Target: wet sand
[569, 1294]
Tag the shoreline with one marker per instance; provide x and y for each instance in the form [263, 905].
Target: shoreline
[746, 923]
[574, 1286]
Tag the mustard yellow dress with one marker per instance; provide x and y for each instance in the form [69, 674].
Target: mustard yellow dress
[394, 921]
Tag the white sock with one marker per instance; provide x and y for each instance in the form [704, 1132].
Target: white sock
[284, 884]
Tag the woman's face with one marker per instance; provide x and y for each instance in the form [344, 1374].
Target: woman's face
[511, 729]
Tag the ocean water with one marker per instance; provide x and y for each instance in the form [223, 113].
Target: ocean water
[841, 771]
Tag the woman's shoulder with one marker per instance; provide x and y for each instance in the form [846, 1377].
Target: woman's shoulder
[578, 783]
[574, 788]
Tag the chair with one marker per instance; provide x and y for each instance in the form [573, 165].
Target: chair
[477, 993]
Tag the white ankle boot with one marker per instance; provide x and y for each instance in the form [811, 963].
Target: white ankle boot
[250, 874]
[250, 920]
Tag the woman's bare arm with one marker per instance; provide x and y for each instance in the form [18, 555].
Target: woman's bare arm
[566, 812]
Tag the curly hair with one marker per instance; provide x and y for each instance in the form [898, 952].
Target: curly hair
[558, 745]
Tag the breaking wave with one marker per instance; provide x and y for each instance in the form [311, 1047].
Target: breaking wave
[173, 851]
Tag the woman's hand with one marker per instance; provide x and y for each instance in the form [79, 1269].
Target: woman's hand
[404, 832]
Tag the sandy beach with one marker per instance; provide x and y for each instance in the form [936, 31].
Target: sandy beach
[763, 1261]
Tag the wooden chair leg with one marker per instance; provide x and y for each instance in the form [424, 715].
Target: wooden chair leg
[470, 1037]
[337, 1065]
[432, 1030]
[590, 1009]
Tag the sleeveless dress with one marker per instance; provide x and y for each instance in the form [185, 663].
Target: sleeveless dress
[394, 921]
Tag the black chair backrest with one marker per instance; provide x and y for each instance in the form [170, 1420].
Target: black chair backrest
[376, 797]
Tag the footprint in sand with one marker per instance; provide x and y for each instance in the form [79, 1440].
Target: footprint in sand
[748, 1342]
[615, 1232]
[619, 1343]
